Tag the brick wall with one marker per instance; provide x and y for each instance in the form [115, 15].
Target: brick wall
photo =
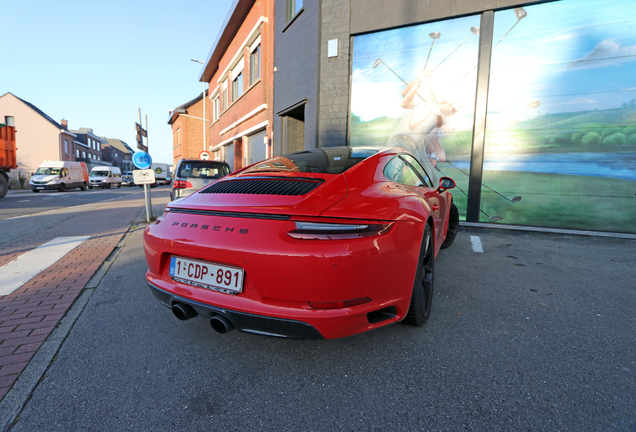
[190, 132]
[232, 122]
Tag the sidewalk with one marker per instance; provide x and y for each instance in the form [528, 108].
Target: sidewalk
[29, 315]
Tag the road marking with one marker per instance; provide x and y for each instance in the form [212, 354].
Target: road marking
[22, 269]
[24, 201]
[476, 241]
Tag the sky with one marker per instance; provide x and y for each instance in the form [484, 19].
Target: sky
[95, 63]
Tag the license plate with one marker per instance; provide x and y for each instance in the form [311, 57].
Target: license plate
[207, 275]
[39, 188]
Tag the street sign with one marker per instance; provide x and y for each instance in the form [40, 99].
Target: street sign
[204, 155]
[143, 176]
[142, 160]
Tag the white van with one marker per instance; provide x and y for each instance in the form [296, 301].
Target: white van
[105, 177]
[59, 175]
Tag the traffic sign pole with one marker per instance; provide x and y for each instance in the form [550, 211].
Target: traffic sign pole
[143, 161]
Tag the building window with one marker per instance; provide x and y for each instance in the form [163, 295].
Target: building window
[293, 7]
[225, 101]
[84, 154]
[9, 121]
[99, 147]
[237, 80]
[237, 87]
[216, 108]
[65, 146]
[255, 64]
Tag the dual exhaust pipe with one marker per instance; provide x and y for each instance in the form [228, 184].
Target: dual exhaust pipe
[220, 323]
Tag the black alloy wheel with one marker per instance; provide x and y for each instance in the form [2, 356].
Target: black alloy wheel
[422, 297]
[453, 226]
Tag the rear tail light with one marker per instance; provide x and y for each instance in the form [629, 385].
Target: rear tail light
[182, 184]
[340, 304]
[337, 231]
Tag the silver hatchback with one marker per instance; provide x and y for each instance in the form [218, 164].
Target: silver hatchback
[193, 174]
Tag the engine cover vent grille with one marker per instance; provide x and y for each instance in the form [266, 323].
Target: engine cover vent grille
[263, 187]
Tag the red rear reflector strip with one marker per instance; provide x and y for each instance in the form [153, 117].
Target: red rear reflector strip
[182, 184]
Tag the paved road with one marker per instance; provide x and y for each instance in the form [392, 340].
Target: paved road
[24, 202]
[534, 333]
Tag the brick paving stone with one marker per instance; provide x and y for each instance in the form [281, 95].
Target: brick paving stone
[33, 311]
[23, 340]
[13, 368]
[15, 358]
[28, 348]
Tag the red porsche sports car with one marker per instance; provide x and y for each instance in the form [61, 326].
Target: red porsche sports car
[315, 244]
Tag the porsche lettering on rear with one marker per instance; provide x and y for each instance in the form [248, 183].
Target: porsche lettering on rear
[211, 227]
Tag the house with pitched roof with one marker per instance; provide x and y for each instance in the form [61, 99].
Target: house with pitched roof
[38, 136]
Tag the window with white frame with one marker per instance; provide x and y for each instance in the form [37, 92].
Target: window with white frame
[65, 146]
[237, 80]
[216, 108]
[226, 101]
[255, 62]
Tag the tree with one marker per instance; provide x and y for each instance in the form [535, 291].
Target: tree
[591, 139]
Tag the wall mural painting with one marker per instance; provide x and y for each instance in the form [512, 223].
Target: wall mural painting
[414, 88]
[561, 124]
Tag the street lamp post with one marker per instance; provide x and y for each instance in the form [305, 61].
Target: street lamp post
[204, 104]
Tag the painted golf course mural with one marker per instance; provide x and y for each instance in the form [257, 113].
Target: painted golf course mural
[560, 138]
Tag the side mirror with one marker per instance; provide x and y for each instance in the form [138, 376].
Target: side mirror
[446, 183]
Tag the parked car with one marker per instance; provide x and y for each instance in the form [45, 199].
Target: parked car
[105, 177]
[127, 180]
[59, 175]
[193, 174]
[321, 243]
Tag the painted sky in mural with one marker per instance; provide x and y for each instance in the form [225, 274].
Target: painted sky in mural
[566, 56]
[449, 55]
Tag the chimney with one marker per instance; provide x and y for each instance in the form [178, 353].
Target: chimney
[65, 124]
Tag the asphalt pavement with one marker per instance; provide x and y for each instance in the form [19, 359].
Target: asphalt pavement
[528, 332]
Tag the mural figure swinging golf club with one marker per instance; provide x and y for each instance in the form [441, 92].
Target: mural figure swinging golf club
[426, 114]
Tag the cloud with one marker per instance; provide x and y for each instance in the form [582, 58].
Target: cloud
[606, 53]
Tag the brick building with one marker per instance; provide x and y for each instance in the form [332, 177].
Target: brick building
[187, 129]
[239, 71]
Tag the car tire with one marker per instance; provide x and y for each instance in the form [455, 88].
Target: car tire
[422, 296]
[4, 186]
[35, 191]
[90, 187]
[61, 187]
[118, 185]
[83, 187]
[453, 226]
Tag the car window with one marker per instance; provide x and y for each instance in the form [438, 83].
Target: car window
[202, 170]
[399, 171]
[415, 164]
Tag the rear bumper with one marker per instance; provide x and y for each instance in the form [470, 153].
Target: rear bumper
[249, 323]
